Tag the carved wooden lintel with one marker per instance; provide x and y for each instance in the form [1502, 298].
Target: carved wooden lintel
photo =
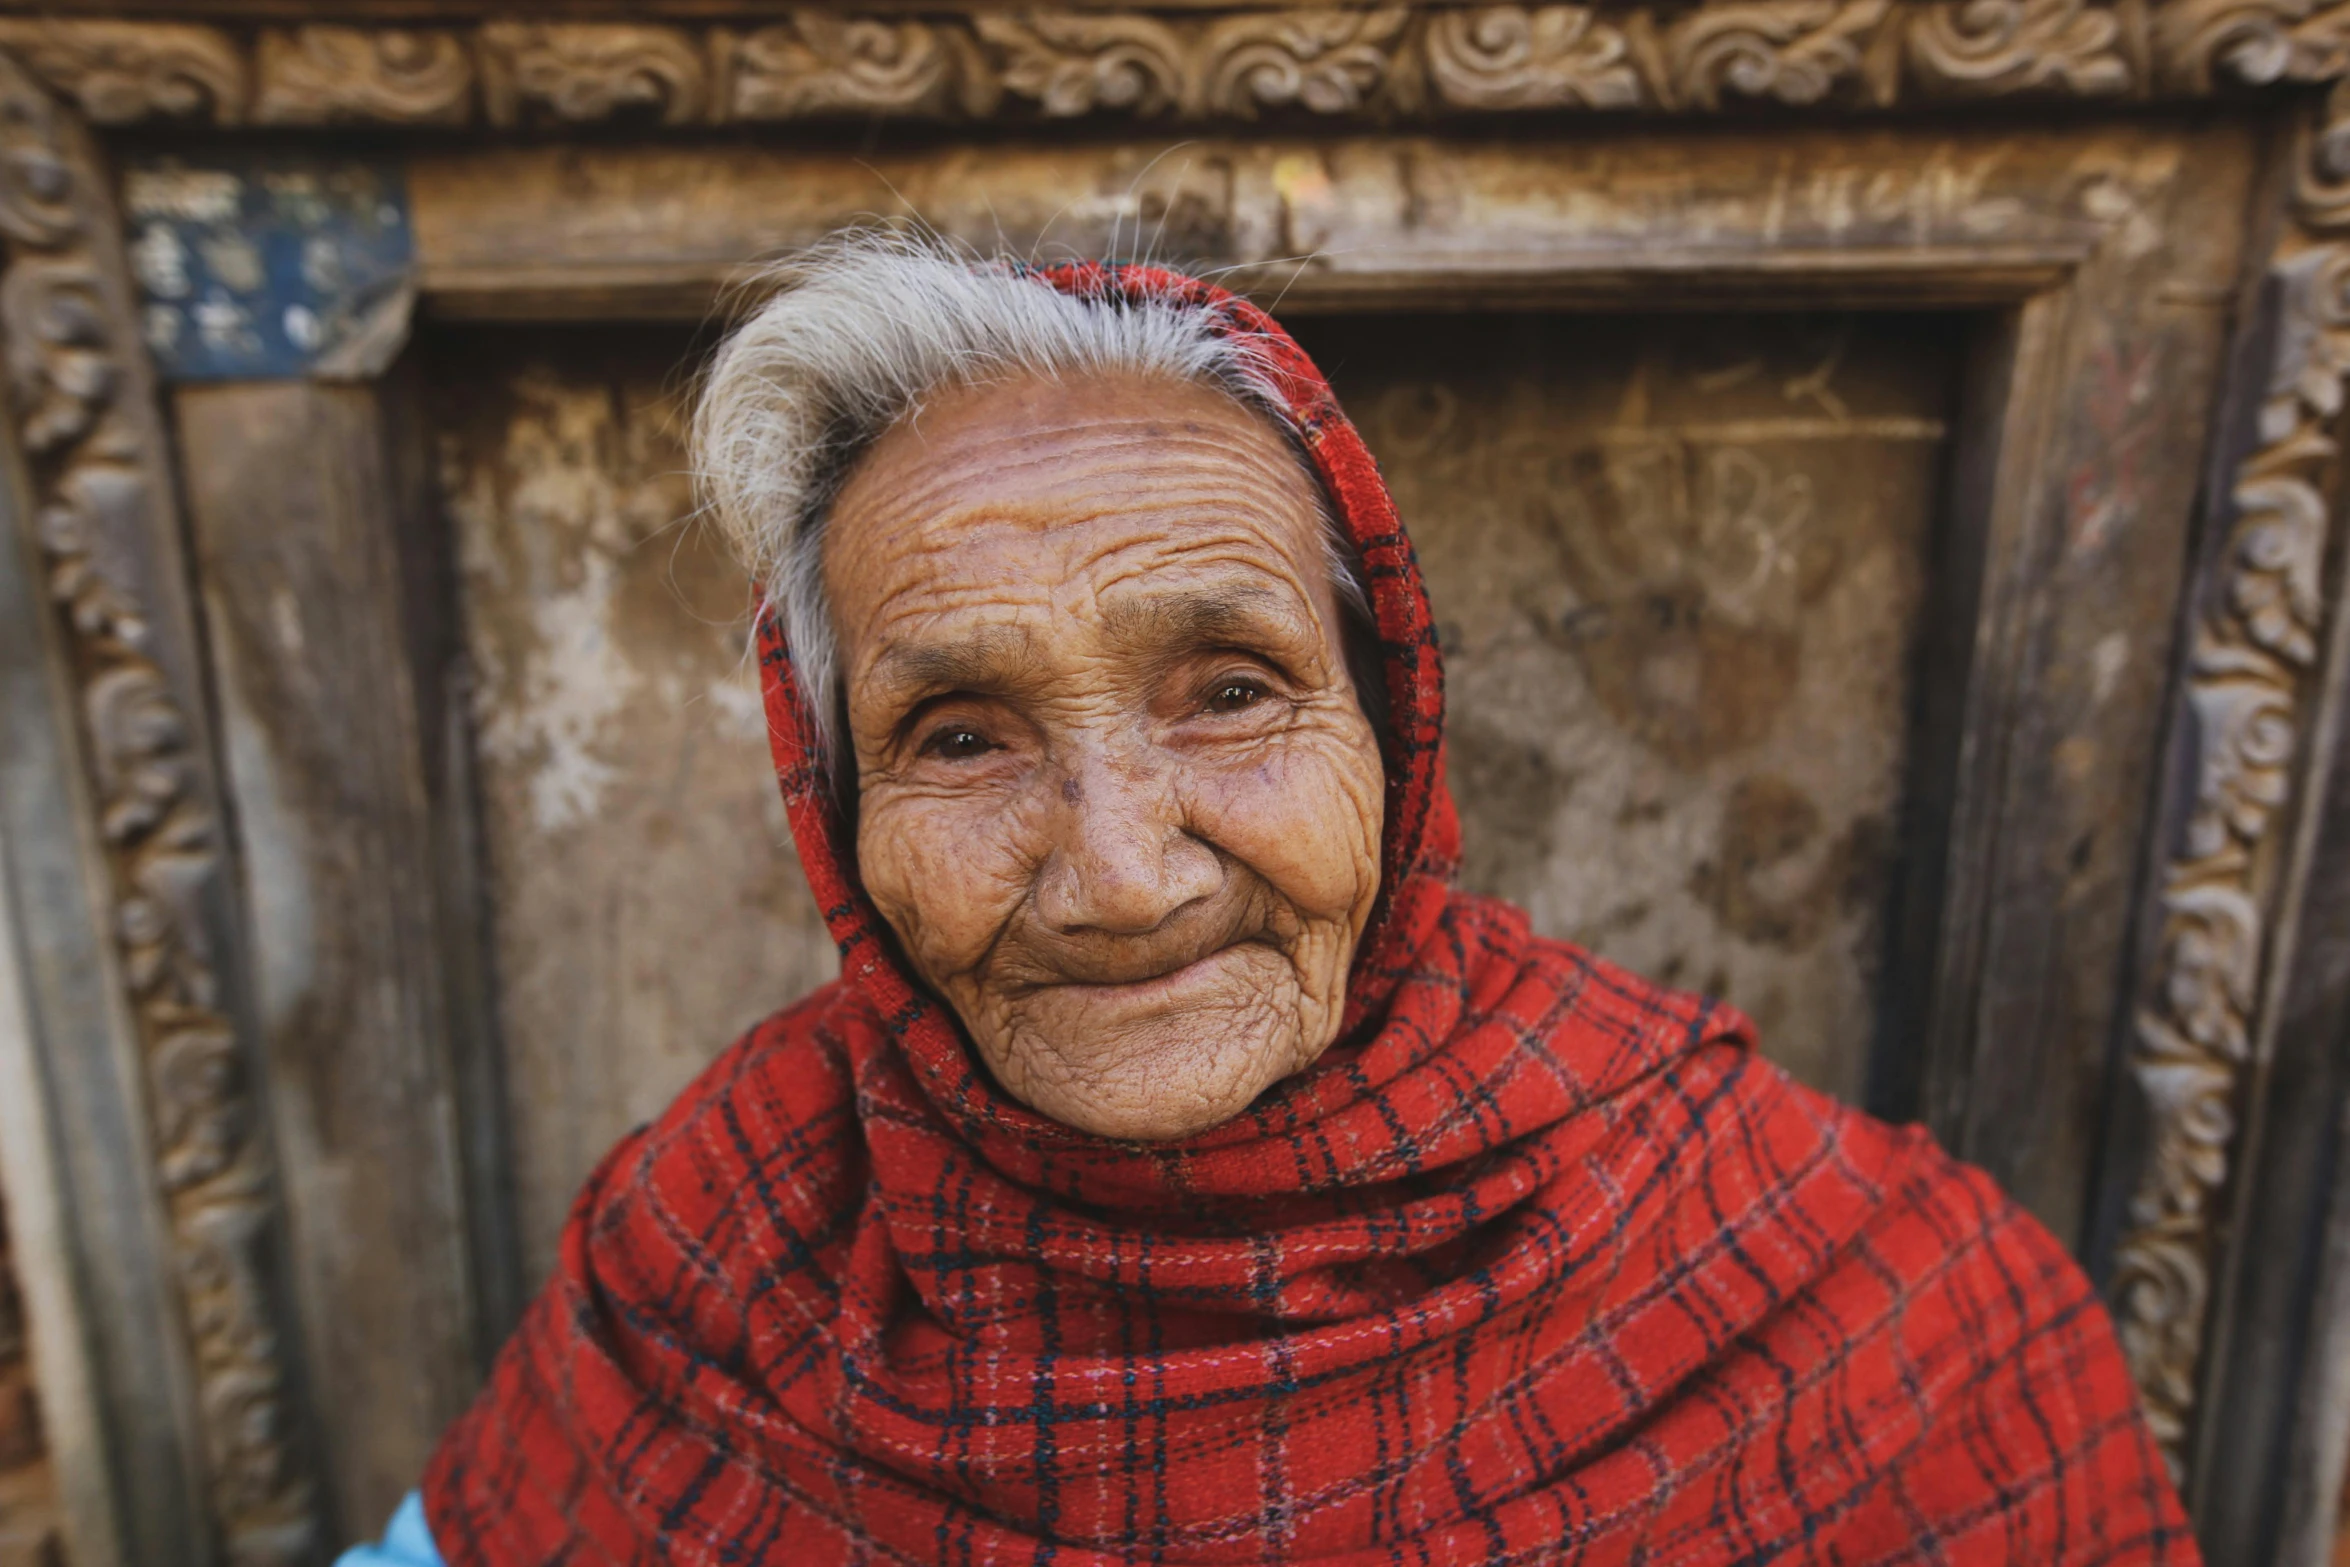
[1389, 61]
[2248, 706]
[90, 439]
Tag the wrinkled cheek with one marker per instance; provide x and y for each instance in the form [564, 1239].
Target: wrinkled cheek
[1307, 822]
[943, 882]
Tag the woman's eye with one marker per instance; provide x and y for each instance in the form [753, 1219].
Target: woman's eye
[1230, 696]
[957, 742]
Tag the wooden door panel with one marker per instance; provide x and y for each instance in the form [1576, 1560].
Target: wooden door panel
[2070, 733]
[645, 901]
[1678, 564]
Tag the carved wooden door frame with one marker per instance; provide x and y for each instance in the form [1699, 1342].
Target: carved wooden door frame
[173, 1364]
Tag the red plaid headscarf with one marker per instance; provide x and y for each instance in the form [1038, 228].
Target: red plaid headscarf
[1539, 1262]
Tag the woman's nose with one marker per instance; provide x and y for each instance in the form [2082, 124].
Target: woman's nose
[1121, 862]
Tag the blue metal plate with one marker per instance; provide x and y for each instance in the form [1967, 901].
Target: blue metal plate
[265, 266]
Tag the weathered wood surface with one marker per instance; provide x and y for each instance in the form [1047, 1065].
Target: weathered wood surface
[54, 988]
[1678, 565]
[2107, 253]
[664, 63]
[1969, 214]
[2101, 434]
[1681, 569]
[2115, 247]
[302, 521]
[2275, 1435]
[647, 905]
[184, 1437]
[2103, 254]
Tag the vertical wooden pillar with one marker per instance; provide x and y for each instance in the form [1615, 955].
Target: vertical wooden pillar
[2276, 1432]
[89, 1235]
[327, 604]
[140, 1177]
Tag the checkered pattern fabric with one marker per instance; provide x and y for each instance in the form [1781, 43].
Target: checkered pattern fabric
[1539, 1263]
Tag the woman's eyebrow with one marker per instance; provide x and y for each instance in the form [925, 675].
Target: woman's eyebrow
[1236, 613]
[994, 658]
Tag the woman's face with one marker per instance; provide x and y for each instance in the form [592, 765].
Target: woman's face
[1116, 796]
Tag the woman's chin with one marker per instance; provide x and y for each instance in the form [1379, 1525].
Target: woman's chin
[1161, 1118]
[1164, 1059]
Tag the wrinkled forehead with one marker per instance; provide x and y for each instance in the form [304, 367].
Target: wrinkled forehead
[1108, 504]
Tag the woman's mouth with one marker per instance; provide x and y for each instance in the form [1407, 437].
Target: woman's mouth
[1170, 985]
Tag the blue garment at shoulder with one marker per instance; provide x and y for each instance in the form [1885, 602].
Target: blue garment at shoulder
[407, 1543]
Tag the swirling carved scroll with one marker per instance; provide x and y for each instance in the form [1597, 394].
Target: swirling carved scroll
[333, 75]
[120, 72]
[821, 63]
[1786, 51]
[1072, 63]
[2249, 687]
[2204, 43]
[1331, 62]
[576, 72]
[1360, 60]
[1970, 47]
[78, 398]
[1545, 57]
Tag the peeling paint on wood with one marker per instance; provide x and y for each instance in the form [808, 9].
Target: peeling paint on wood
[1677, 564]
[260, 265]
[646, 899]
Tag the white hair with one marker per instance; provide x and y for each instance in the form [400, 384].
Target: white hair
[857, 332]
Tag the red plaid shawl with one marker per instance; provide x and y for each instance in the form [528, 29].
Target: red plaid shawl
[1540, 1263]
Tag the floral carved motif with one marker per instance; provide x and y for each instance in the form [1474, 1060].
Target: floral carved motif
[1788, 51]
[1059, 64]
[2003, 46]
[573, 72]
[1331, 62]
[330, 75]
[822, 63]
[2250, 682]
[1546, 57]
[2205, 43]
[78, 397]
[35, 185]
[1072, 63]
[118, 72]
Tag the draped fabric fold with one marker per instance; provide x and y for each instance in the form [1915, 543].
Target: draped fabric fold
[1539, 1263]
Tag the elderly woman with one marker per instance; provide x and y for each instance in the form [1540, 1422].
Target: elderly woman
[1182, 1169]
